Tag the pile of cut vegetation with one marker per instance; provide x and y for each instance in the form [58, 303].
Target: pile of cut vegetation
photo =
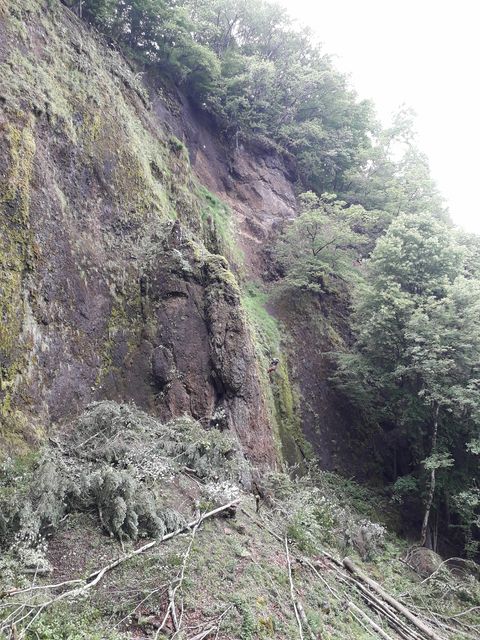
[109, 463]
[124, 527]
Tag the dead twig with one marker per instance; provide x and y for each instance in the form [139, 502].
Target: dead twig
[182, 576]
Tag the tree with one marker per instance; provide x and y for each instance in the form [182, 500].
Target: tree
[416, 357]
[443, 355]
[320, 248]
[392, 174]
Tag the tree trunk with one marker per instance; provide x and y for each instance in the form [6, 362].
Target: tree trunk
[435, 533]
[431, 490]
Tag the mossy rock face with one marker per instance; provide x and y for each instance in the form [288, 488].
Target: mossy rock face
[314, 329]
[107, 290]
[278, 390]
[18, 254]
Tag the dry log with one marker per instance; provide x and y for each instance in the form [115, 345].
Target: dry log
[381, 607]
[369, 621]
[430, 633]
[304, 619]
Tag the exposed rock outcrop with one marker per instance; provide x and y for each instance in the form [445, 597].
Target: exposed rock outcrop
[101, 295]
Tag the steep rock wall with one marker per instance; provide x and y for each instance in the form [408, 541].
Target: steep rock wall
[102, 295]
[259, 186]
[315, 328]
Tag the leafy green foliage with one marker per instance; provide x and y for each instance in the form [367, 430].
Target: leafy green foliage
[467, 503]
[120, 434]
[403, 487]
[316, 516]
[320, 247]
[415, 365]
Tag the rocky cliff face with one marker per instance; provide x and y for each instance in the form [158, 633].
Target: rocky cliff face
[259, 186]
[256, 182]
[102, 294]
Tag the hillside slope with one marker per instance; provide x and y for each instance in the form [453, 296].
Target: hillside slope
[136, 266]
[217, 563]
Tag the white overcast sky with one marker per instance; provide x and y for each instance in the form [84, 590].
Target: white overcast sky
[425, 54]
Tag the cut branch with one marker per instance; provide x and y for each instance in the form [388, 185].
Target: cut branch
[392, 601]
[96, 576]
[369, 621]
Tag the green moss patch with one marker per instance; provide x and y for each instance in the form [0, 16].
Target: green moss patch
[278, 390]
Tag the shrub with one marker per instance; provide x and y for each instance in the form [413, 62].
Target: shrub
[316, 515]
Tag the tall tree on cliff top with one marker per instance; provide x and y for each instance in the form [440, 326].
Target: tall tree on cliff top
[393, 175]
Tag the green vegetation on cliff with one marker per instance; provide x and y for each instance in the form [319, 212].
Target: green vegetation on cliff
[415, 367]
[263, 78]
[143, 296]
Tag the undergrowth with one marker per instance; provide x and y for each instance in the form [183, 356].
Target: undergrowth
[108, 463]
[236, 575]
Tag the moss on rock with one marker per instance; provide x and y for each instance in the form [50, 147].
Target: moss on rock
[17, 255]
[278, 391]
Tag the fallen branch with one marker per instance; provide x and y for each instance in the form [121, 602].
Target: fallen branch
[147, 597]
[394, 621]
[348, 564]
[370, 599]
[292, 591]
[212, 629]
[261, 524]
[464, 613]
[14, 592]
[437, 620]
[96, 576]
[172, 592]
[444, 563]
[304, 619]
[368, 620]
[380, 607]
